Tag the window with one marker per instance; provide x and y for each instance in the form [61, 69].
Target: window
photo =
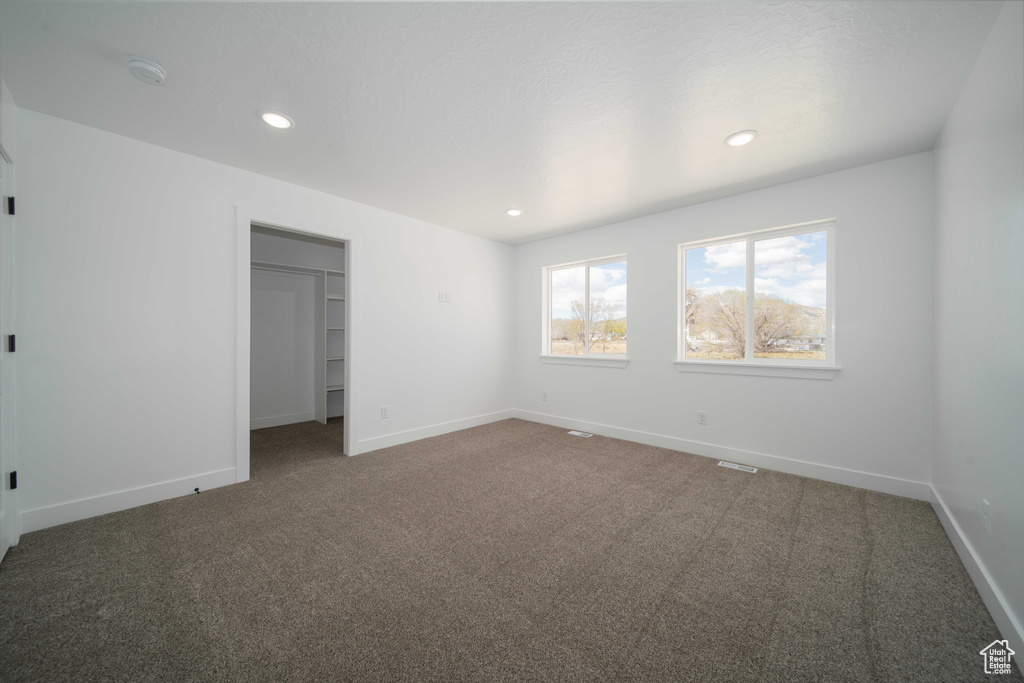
[760, 299]
[585, 309]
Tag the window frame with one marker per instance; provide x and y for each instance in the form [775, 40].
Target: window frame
[821, 369]
[587, 357]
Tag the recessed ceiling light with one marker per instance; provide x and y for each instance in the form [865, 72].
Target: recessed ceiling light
[741, 138]
[147, 71]
[514, 212]
[276, 119]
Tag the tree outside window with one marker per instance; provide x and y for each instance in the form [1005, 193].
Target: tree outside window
[587, 308]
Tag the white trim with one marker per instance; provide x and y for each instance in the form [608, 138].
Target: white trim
[589, 360]
[245, 218]
[83, 508]
[602, 261]
[757, 369]
[998, 606]
[545, 310]
[398, 438]
[782, 230]
[9, 393]
[588, 334]
[279, 420]
[243, 334]
[909, 488]
[750, 295]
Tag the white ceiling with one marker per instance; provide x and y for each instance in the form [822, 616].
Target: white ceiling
[580, 114]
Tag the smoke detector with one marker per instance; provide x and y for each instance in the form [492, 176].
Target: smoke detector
[147, 71]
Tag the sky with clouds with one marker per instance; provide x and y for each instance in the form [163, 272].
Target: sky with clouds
[792, 267]
[607, 283]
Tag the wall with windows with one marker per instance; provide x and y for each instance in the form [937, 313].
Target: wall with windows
[979, 328]
[870, 425]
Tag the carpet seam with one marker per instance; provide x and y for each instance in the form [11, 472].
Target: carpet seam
[784, 582]
[866, 606]
[631, 650]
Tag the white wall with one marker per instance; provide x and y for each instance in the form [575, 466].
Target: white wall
[979, 328]
[126, 336]
[873, 418]
[282, 361]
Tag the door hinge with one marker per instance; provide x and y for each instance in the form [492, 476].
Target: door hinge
[14, 480]
[10, 205]
[10, 343]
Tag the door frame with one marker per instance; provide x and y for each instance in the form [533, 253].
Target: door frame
[246, 218]
[9, 515]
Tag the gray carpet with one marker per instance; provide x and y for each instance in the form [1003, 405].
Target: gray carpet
[510, 551]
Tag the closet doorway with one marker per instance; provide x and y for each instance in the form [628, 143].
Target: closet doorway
[296, 316]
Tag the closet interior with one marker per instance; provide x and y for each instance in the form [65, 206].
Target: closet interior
[298, 328]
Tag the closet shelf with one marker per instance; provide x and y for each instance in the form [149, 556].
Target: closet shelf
[283, 267]
[267, 265]
[335, 358]
[336, 387]
[335, 298]
[329, 329]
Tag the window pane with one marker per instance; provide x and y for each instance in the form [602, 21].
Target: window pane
[789, 291]
[716, 301]
[568, 287]
[608, 308]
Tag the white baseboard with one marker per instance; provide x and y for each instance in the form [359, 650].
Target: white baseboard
[279, 420]
[398, 438]
[61, 513]
[3, 550]
[865, 480]
[1009, 624]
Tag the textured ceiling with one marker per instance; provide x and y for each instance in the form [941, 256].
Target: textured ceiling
[579, 114]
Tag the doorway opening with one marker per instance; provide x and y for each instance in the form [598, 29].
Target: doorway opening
[294, 351]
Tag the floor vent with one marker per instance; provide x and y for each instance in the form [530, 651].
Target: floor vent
[583, 434]
[734, 466]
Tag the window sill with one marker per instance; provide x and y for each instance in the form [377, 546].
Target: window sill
[591, 361]
[758, 369]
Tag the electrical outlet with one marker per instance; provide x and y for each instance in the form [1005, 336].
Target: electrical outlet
[447, 297]
[702, 417]
[440, 297]
[986, 515]
[384, 412]
[544, 395]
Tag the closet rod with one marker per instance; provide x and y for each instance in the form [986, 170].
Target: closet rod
[262, 265]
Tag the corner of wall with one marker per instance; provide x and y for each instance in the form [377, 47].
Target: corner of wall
[975, 431]
[993, 597]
